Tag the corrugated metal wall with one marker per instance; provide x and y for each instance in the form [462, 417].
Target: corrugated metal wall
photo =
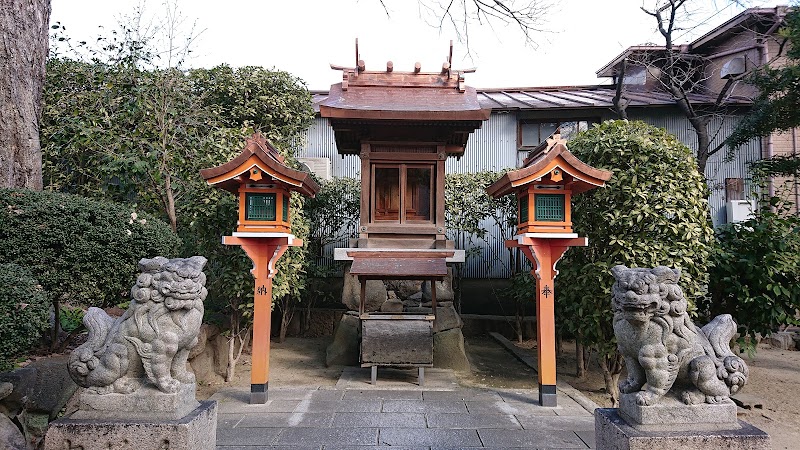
[320, 143]
[719, 166]
[494, 147]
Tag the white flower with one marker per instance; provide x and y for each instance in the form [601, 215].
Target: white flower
[143, 221]
[133, 215]
[129, 232]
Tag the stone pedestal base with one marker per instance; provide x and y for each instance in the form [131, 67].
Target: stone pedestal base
[196, 431]
[672, 414]
[612, 432]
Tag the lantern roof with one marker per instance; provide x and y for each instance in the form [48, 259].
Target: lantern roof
[552, 154]
[259, 153]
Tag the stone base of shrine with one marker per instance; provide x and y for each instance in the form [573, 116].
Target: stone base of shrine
[195, 431]
[613, 432]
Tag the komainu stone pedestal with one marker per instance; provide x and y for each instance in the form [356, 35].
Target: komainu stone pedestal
[612, 432]
[195, 431]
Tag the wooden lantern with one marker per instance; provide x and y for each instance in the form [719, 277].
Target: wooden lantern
[544, 188]
[263, 183]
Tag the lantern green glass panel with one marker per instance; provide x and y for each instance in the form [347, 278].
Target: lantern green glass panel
[549, 207]
[523, 209]
[285, 208]
[260, 207]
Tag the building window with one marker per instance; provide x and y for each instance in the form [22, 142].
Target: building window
[260, 207]
[532, 133]
[549, 207]
[285, 208]
[406, 188]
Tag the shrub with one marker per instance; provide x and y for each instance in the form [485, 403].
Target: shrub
[24, 313]
[652, 212]
[755, 276]
[82, 251]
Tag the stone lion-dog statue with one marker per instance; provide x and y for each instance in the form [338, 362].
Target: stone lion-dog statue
[152, 339]
[663, 348]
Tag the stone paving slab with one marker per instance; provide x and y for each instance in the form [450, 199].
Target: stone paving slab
[473, 421]
[530, 439]
[360, 378]
[462, 394]
[247, 436]
[383, 394]
[321, 436]
[555, 423]
[283, 420]
[414, 418]
[352, 405]
[429, 437]
[500, 407]
[381, 420]
[420, 406]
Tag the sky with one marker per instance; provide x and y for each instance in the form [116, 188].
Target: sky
[303, 37]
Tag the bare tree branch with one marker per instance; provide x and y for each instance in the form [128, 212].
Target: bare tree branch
[527, 16]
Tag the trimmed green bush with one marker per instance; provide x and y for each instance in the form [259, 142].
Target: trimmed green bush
[24, 312]
[652, 212]
[82, 251]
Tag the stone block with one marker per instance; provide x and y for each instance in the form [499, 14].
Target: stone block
[448, 350]
[446, 318]
[444, 288]
[10, 436]
[147, 402]
[344, 348]
[195, 431]
[783, 340]
[670, 413]
[613, 432]
[351, 293]
[404, 288]
[392, 304]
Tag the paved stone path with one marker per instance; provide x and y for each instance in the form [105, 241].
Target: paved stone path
[397, 412]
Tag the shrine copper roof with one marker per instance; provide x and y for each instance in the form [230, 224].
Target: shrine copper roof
[566, 97]
[259, 152]
[402, 96]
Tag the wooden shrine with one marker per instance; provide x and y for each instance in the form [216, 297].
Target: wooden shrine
[544, 188]
[263, 184]
[403, 126]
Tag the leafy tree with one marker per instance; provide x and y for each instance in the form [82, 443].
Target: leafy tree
[126, 123]
[273, 102]
[755, 270]
[652, 212]
[469, 212]
[777, 106]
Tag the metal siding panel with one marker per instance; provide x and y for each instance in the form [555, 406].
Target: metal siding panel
[718, 166]
[321, 143]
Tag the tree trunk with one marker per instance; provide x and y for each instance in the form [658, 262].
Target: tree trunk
[173, 217]
[234, 353]
[580, 359]
[24, 28]
[287, 312]
[612, 367]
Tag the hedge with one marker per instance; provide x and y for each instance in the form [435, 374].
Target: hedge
[80, 250]
[24, 313]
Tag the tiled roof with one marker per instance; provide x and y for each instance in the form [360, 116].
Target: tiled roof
[568, 97]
